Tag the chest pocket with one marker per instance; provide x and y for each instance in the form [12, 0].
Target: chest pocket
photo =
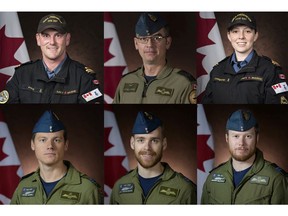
[31, 89]
[251, 78]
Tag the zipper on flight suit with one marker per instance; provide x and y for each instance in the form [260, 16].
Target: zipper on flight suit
[146, 85]
[144, 200]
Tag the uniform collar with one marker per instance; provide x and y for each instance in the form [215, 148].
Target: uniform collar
[165, 72]
[50, 74]
[239, 65]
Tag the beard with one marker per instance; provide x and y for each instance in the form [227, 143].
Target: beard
[151, 162]
[244, 155]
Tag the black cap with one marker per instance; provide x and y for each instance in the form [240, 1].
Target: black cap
[242, 19]
[53, 21]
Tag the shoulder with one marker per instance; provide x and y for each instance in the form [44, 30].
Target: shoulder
[268, 60]
[277, 169]
[217, 168]
[131, 73]
[223, 61]
[187, 75]
[90, 180]
[27, 177]
[27, 64]
[186, 180]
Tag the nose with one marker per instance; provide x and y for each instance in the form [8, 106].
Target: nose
[52, 40]
[147, 145]
[241, 34]
[50, 144]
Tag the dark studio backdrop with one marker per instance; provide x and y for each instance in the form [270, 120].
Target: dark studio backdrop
[272, 120]
[84, 125]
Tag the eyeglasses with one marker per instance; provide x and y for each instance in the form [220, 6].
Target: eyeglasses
[155, 38]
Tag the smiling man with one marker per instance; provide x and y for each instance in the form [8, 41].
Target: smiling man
[156, 82]
[56, 181]
[247, 178]
[245, 77]
[153, 181]
[55, 78]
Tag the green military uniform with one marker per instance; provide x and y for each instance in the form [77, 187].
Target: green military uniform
[263, 184]
[172, 86]
[74, 188]
[171, 188]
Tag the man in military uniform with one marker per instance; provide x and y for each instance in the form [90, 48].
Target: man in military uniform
[247, 178]
[156, 81]
[153, 181]
[56, 181]
[56, 78]
[245, 77]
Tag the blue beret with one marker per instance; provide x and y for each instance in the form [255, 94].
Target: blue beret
[149, 23]
[145, 123]
[48, 123]
[241, 120]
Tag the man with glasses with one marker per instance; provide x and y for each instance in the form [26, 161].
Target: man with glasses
[156, 81]
[56, 78]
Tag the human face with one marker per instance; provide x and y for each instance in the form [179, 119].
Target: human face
[153, 52]
[242, 145]
[49, 148]
[148, 148]
[53, 44]
[242, 39]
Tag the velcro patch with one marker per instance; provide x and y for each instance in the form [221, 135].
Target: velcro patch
[92, 95]
[70, 195]
[164, 91]
[167, 191]
[126, 188]
[280, 87]
[130, 87]
[264, 180]
[28, 192]
[252, 78]
[218, 178]
[221, 79]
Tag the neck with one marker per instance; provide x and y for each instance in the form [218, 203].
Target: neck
[242, 165]
[52, 173]
[153, 69]
[53, 63]
[150, 172]
[242, 56]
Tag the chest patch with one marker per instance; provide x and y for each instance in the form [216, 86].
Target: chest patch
[264, 180]
[252, 78]
[167, 191]
[164, 91]
[219, 178]
[28, 192]
[70, 195]
[217, 79]
[130, 87]
[126, 188]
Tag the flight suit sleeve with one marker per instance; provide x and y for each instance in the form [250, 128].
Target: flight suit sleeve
[279, 195]
[204, 196]
[15, 198]
[188, 93]
[116, 99]
[191, 194]
[113, 195]
[276, 88]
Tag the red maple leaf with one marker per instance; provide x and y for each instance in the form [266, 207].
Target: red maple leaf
[2, 154]
[107, 54]
[107, 144]
[9, 180]
[8, 48]
[204, 152]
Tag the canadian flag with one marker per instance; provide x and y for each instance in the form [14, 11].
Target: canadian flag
[114, 62]
[10, 167]
[209, 49]
[205, 150]
[13, 49]
[115, 158]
